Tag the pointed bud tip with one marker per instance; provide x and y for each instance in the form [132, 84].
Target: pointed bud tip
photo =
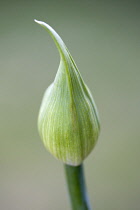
[37, 21]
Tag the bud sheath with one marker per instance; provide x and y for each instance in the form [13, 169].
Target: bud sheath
[68, 120]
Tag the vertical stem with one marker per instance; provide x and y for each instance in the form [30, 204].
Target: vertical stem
[77, 188]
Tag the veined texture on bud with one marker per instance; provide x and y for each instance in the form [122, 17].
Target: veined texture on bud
[68, 121]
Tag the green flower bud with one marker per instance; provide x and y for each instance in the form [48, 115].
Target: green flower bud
[68, 121]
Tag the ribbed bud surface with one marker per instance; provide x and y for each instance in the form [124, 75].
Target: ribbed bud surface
[68, 119]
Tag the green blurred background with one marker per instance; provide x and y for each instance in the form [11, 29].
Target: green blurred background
[104, 39]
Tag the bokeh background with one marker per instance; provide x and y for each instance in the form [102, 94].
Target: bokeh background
[104, 39]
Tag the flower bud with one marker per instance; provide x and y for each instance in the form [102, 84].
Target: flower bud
[68, 121]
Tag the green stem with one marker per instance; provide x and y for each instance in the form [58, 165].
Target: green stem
[77, 188]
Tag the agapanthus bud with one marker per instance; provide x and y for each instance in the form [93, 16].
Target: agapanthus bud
[68, 120]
